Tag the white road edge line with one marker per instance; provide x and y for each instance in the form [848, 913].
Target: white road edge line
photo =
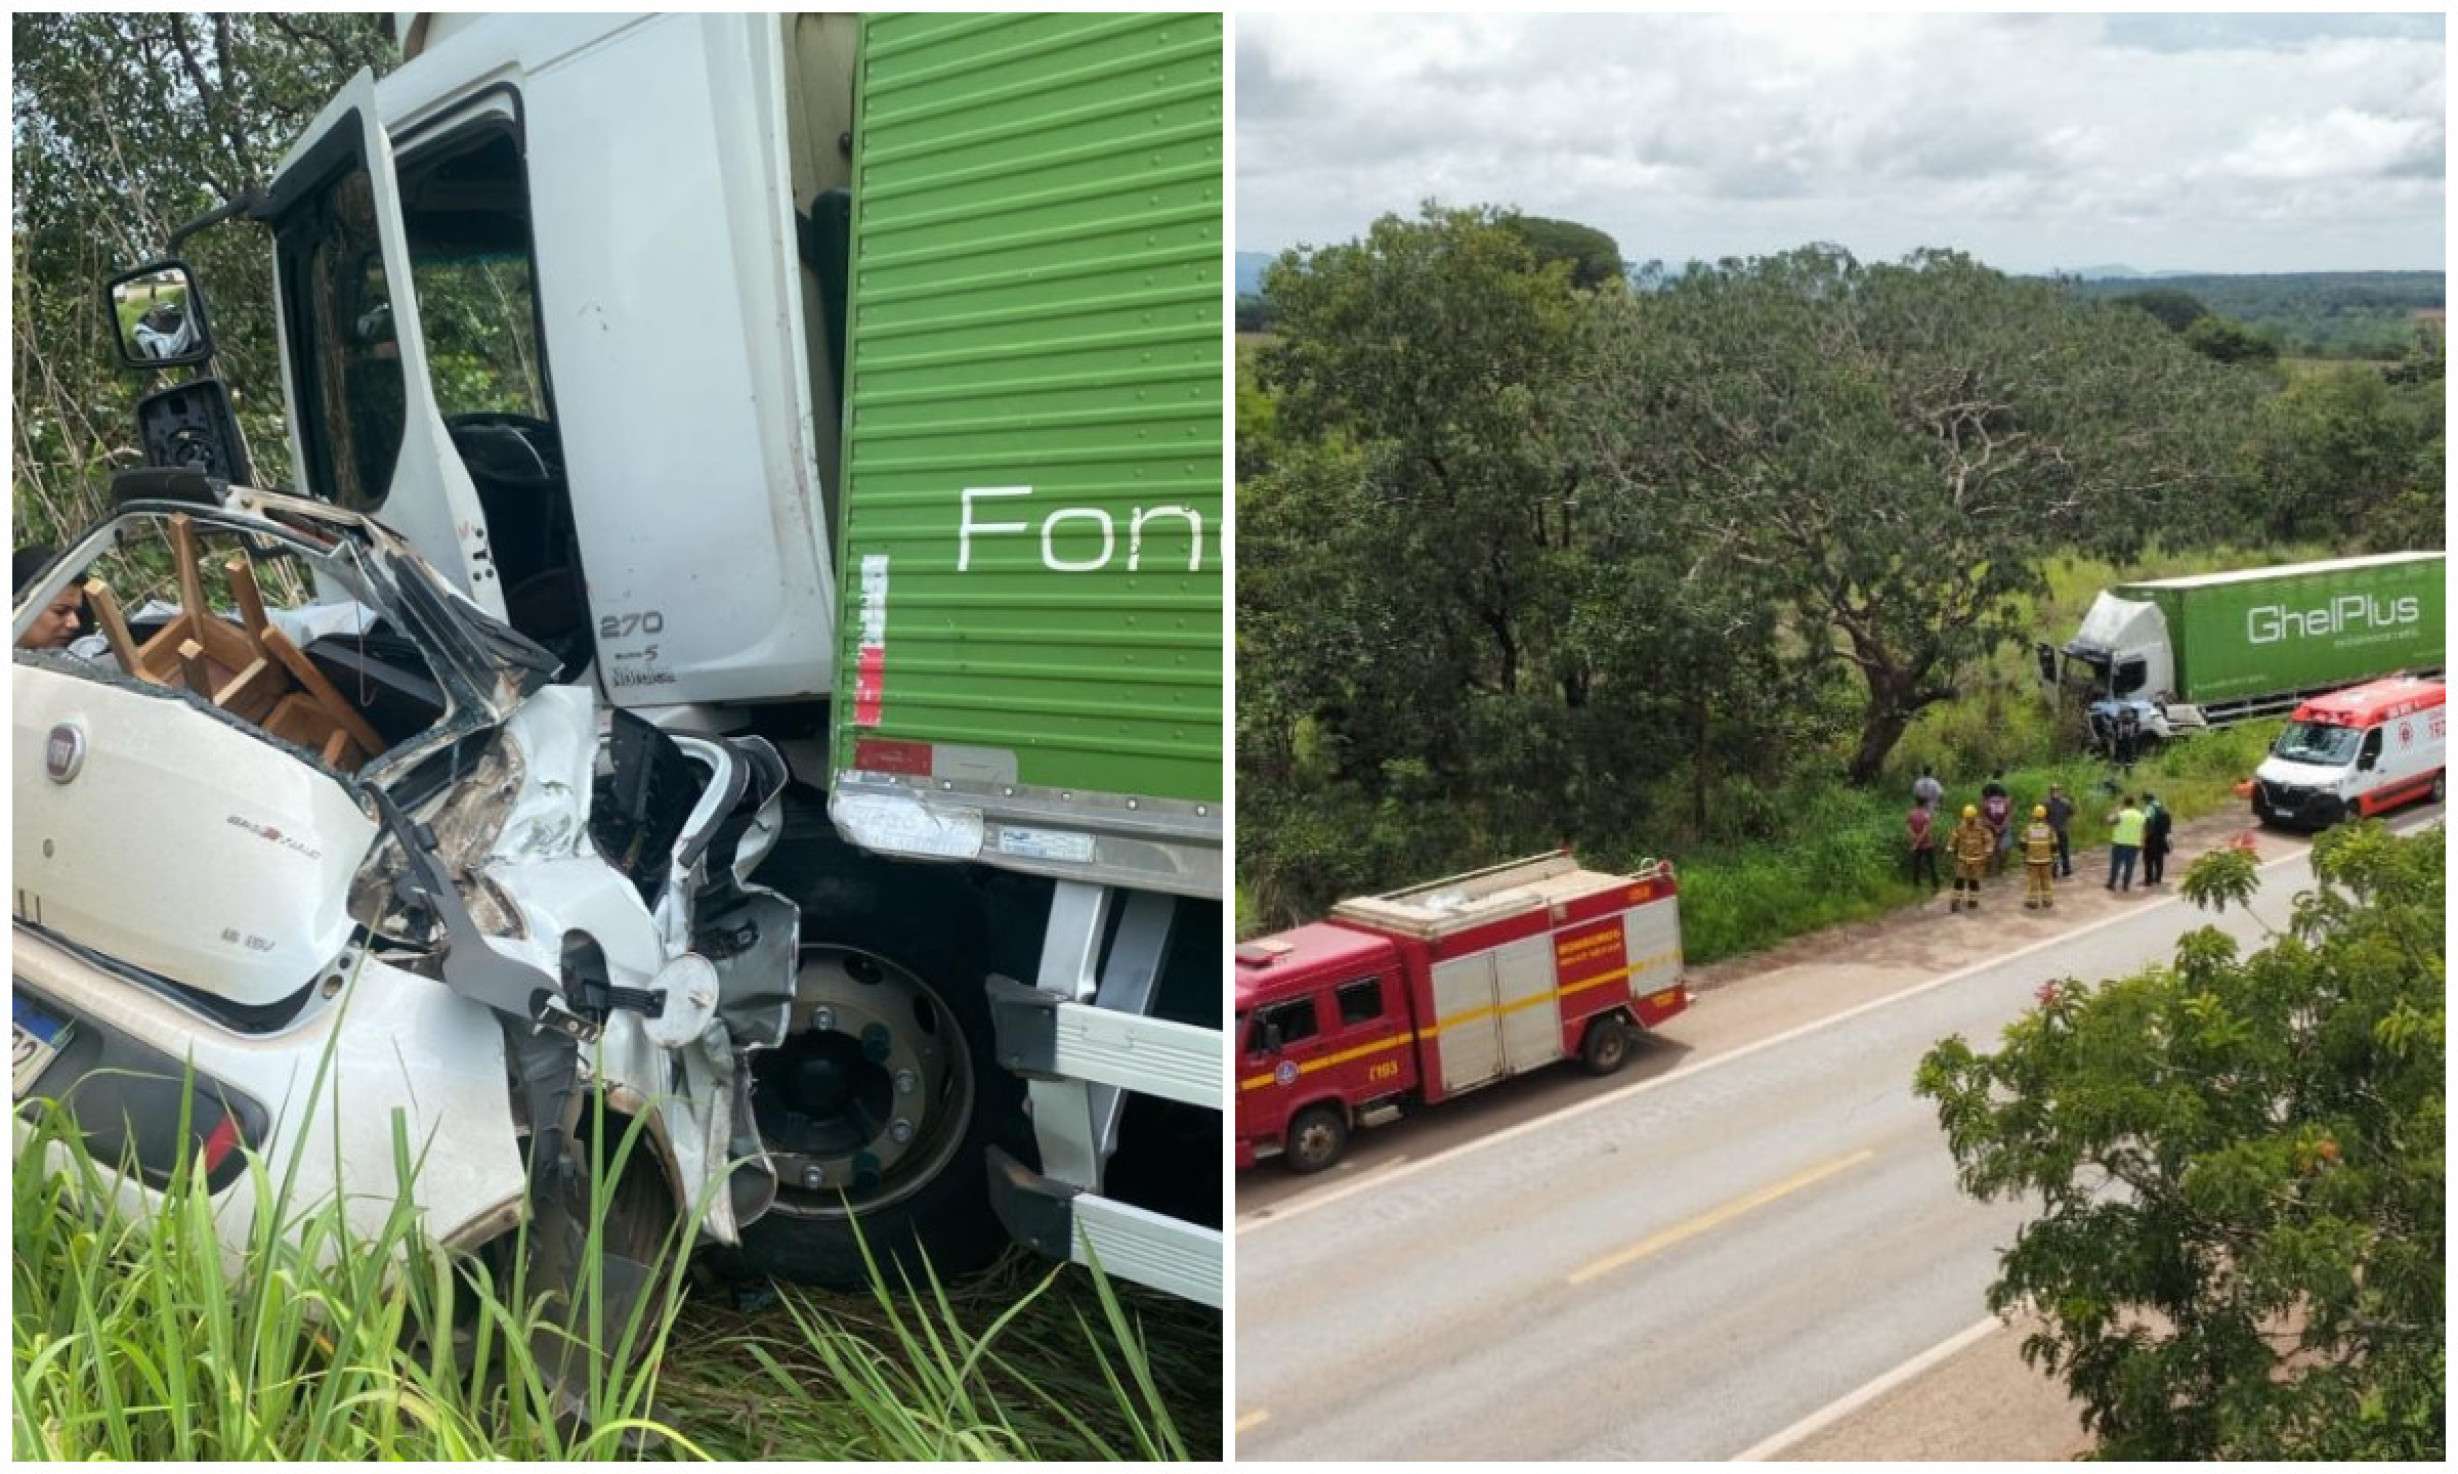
[1268, 1218]
[1865, 1394]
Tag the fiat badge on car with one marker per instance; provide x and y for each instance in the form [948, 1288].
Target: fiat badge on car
[64, 754]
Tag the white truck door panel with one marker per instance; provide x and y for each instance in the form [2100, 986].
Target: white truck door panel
[1530, 1015]
[670, 287]
[428, 497]
[1471, 1050]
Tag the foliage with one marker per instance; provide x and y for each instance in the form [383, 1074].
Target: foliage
[2239, 1160]
[1593, 256]
[128, 124]
[1893, 450]
[2353, 454]
[2361, 314]
[2176, 310]
[2226, 341]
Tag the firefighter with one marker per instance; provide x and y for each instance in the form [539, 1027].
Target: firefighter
[1972, 844]
[2039, 861]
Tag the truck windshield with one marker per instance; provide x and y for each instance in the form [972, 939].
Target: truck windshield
[2312, 742]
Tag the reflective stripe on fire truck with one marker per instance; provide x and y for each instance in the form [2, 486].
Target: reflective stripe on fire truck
[1471, 1015]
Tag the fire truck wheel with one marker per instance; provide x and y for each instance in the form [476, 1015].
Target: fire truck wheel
[1317, 1138]
[1607, 1045]
[2440, 785]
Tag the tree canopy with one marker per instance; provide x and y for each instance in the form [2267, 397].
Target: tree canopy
[126, 125]
[2176, 310]
[1895, 449]
[2239, 1249]
[1593, 256]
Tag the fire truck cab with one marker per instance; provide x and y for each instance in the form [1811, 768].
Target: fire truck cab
[1425, 993]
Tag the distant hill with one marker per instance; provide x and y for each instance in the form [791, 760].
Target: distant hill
[2366, 313]
[2121, 272]
[1250, 271]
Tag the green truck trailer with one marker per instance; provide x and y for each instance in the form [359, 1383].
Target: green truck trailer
[1030, 654]
[2216, 648]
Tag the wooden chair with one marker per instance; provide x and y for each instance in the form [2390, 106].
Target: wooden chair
[248, 668]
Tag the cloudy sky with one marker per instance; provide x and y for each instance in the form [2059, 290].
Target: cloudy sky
[2183, 142]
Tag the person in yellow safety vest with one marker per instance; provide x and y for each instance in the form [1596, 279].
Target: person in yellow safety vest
[2039, 861]
[1972, 844]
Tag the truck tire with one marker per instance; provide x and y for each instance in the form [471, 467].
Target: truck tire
[1605, 1048]
[1317, 1138]
[2440, 786]
[915, 933]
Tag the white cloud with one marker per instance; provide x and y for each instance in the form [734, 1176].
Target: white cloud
[2220, 143]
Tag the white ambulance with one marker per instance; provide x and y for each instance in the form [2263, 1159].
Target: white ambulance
[2355, 753]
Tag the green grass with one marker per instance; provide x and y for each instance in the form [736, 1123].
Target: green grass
[138, 1339]
[1848, 864]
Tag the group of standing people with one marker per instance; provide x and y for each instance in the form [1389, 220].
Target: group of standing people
[1984, 836]
[2138, 831]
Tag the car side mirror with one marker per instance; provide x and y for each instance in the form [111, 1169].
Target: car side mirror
[2364, 764]
[158, 316]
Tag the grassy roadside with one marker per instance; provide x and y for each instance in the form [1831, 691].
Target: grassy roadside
[1850, 863]
[144, 1339]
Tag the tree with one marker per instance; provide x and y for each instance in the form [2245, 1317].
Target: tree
[127, 124]
[2176, 310]
[1894, 450]
[1593, 256]
[2349, 457]
[1434, 346]
[2225, 341]
[2239, 1252]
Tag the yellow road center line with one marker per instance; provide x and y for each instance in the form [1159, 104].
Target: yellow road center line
[1255, 1419]
[1657, 1242]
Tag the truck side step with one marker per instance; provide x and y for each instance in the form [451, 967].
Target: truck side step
[1130, 1243]
[1040, 1035]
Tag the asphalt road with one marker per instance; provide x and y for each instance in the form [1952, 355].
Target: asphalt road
[1674, 1268]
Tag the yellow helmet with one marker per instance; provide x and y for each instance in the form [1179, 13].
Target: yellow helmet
[2039, 811]
[1971, 811]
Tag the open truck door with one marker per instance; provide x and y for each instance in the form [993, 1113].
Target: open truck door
[354, 361]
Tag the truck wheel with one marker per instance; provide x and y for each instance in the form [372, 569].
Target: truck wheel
[881, 1104]
[1606, 1047]
[2440, 785]
[1316, 1138]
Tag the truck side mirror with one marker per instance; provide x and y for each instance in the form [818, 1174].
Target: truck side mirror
[1272, 1040]
[158, 316]
[2364, 763]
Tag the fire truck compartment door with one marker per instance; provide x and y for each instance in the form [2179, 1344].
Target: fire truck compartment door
[1531, 1013]
[1652, 935]
[1471, 1034]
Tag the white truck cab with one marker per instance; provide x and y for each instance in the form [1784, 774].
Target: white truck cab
[558, 256]
[2356, 753]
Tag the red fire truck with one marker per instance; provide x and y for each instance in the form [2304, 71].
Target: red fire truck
[1421, 994]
